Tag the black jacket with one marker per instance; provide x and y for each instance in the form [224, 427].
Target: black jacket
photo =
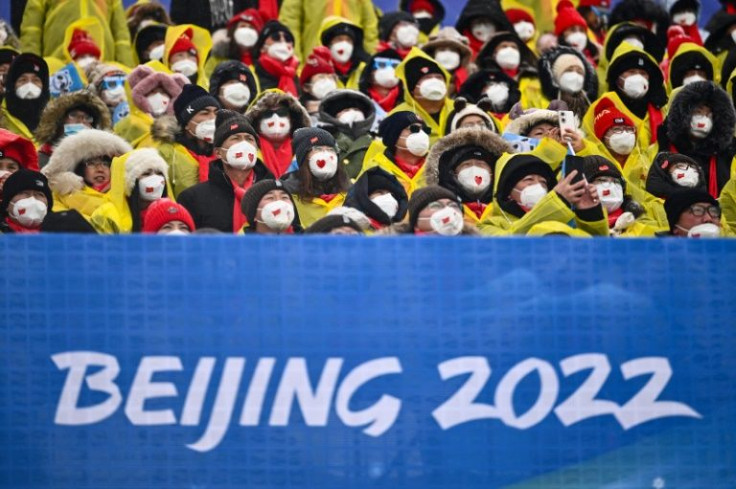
[198, 12]
[211, 203]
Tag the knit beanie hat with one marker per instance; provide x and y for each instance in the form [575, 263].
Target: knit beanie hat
[567, 16]
[565, 61]
[164, 211]
[250, 15]
[229, 122]
[233, 69]
[676, 204]
[306, 138]
[251, 199]
[595, 166]
[418, 67]
[97, 71]
[81, 45]
[516, 15]
[389, 20]
[19, 149]
[24, 180]
[184, 43]
[329, 223]
[318, 62]
[390, 128]
[191, 100]
[608, 116]
[422, 197]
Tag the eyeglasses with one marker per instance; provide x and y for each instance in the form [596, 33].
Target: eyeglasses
[415, 128]
[80, 117]
[699, 210]
[97, 163]
[438, 206]
[610, 180]
[621, 130]
[281, 112]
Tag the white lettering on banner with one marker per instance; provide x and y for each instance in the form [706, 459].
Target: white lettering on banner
[315, 401]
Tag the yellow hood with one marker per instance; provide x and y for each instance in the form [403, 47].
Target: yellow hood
[93, 28]
[689, 50]
[202, 42]
[401, 71]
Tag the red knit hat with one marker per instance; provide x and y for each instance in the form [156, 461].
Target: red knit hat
[184, 43]
[607, 117]
[567, 17]
[320, 61]
[676, 37]
[418, 5]
[250, 15]
[19, 149]
[164, 211]
[81, 44]
[594, 3]
[516, 15]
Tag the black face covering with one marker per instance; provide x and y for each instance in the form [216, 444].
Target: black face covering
[426, 24]
[27, 110]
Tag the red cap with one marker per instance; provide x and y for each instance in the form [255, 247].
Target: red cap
[81, 44]
[607, 117]
[516, 15]
[19, 149]
[164, 211]
[184, 43]
[676, 37]
[594, 3]
[250, 15]
[320, 61]
[418, 5]
[567, 17]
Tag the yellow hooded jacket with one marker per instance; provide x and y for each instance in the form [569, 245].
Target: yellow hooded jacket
[375, 156]
[688, 50]
[202, 42]
[354, 78]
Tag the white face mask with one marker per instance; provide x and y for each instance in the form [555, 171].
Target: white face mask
[688, 177]
[157, 53]
[636, 86]
[28, 91]
[85, 61]
[113, 96]
[174, 232]
[322, 87]
[447, 222]
[237, 94]
[186, 67]
[498, 93]
[151, 187]
[634, 41]
[508, 58]
[571, 82]
[418, 143]
[407, 36]
[611, 195]
[705, 230]
[525, 30]
[205, 130]
[159, 103]
[351, 116]
[700, 126]
[275, 126]
[245, 37]
[323, 165]
[532, 194]
[3, 36]
[684, 18]
[692, 79]
[242, 155]
[483, 31]
[278, 215]
[28, 212]
[733, 36]
[387, 203]
[447, 58]
[474, 180]
[280, 50]
[623, 143]
[577, 40]
[386, 77]
[342, 51]
[433, 89]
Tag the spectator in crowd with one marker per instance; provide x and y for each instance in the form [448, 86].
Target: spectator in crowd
[480, 20]
[26, 95]
[344, 40]
[186, 48]
[149, 43]
[399, 32]
[379, 196]
[243, 30]
[336, 224]
[276, 65]
[26, 201]
[565, 74]
[16, 152]
[429, 14]
[165, 216]
[234, 85]
[269, 208]
[693, 213]
[673, 172]
[436, 211]
[317, 79]
[380, 83]
[451, 51]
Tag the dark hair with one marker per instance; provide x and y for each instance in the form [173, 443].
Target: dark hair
[134, 204]
[309, 186]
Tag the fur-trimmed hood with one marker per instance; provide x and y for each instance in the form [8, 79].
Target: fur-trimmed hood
[51, 126]
[165, 129]
[141, 11]
[405, 228]
[550, 86]
[522, 124]
[338, 100]
[75, 149]
[272, 99]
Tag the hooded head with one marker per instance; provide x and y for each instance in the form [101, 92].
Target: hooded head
[234, 72]
[377, 194]
[27, 88]
[349, 111]
[511, 169]
[51, 127]
[673, 172]
[627, 58]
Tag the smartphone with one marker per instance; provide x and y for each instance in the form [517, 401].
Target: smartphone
[567, 120]
[575, 163]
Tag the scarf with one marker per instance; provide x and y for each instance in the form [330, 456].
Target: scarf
[384, 46]
[204, 164]
[655, 120]
[613, 216]
[17, 228]
[408, 168]
[246, 57]
[475, 44]
[477, 207]
[284, 71]
[238, 218]
[269, 9]
[343, 68]
[388, 102]
[276, 160]
[327, 197]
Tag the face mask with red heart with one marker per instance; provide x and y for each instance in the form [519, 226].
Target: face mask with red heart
[323, 164]
[151, 187]
[242, 155]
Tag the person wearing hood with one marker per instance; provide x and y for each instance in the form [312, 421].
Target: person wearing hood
[647, 13]
[243, 30]
[150, 43]
[164, 216]
[317, 79]
[144, 13]
[276, 65]
[234, 85]
[527, 193]
[571, 30]
[7, 55]
[339, 225]
[480, 20]
[522, 19]
[595, 13]
[637, 36]
[684, 13]
[673, 172]
[690, 63]
[693, 213]
[348, 115]
[82, 49]
[269, 208]
[215, 15]
[186, 48]
[402, 149]
[344, 40]
[26, 201]
[152, 91]
[721, 39]
[380, 83]
[26, 95]
[505, 52]
[276, 116]
[79, 170]
[425, 91]
[464, 162]
[399, 32]
[216, 203]
[473, 116]
[451, 51]
[379, 196]
[137, 180]
[500, 90]
[107, 81]
[16, 152]
[320, 182]
[429, 14]
[700, 124]
[565, 74]
[637, 90]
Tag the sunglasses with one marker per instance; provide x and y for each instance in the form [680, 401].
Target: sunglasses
[379, 63]
[110, 83]
[415, 128]
[281, 112]
[280, 35]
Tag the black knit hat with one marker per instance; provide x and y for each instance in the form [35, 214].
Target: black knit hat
[390, 19]
[251, 199]
[233, 70]
[418, 67]
[422, 197]
[272, 27]
[148, 35]
[192, 99]
[390, 128]
[328, 223]
[306, 138]
[69, 221]
[595, 166]
[229, 122]
[24, 180]
[676, 204]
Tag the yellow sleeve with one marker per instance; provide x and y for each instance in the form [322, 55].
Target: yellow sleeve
[369, 23]
[121, 34]
[31, 29]
[290, 15]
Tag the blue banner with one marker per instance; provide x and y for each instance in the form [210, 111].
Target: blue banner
[334, 362]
